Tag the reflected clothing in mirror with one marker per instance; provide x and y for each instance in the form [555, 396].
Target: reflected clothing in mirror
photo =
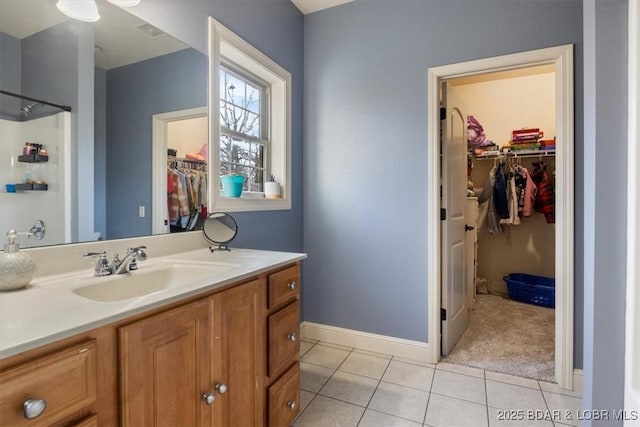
[220, 229]
[186, 193]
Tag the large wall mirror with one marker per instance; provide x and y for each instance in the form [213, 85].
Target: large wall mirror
[120, 76]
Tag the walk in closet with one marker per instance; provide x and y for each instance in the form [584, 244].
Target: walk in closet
[505, 335]
[187, 173]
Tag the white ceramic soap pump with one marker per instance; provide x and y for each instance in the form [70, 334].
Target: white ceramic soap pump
[16, 268]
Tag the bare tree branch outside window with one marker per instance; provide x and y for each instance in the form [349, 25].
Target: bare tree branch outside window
[242, 149]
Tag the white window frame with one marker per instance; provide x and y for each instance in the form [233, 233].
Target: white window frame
[225, 45]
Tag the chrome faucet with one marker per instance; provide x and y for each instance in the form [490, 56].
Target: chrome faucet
[130, 262]
[117, 266]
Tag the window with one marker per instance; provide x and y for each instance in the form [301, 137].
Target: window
[244, 136]
[250, 121]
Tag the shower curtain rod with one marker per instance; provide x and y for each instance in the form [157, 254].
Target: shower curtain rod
[39, 101]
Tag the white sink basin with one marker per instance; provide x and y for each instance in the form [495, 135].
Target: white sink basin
[145, 281]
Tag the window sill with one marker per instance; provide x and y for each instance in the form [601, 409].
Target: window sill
[248, 204]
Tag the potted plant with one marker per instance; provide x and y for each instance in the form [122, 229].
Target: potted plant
[272, 188]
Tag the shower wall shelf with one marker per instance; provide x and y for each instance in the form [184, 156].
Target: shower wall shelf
[33, 158]
[32, 187]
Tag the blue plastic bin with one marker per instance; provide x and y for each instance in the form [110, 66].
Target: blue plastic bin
[532, 289]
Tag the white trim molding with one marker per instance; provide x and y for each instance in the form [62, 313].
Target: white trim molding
[562, 58]
[159, 131]
[398, 347]
[224, 44]
[632, 329]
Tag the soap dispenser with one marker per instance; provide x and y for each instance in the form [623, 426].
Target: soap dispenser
[16, 268]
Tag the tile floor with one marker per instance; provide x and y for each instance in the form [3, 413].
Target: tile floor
[342, 386]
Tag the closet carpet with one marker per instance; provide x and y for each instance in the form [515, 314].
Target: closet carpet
[509, 337]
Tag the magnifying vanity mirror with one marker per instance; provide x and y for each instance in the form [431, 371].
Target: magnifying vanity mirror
[101, 177]
[220, 229]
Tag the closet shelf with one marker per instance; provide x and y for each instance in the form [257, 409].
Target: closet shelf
[540, 153]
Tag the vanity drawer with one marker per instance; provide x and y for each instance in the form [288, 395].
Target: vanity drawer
[65, 380]
[284, 337]
[283, 286]
[284, 398]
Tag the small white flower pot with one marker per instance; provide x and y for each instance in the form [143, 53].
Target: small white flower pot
[272, 190]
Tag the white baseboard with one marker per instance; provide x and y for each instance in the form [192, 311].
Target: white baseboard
[399, 347]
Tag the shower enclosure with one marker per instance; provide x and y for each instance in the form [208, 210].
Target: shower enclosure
[27, 120]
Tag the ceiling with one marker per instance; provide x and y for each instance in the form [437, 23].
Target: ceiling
[119, 39]
[310, 6]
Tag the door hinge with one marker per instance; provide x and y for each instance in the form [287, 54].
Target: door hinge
[443, 113]
[443, 214]
[441, 191]
[443, 314]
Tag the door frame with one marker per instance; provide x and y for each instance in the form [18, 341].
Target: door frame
[159, 162]
[562, 58]
[632, 330]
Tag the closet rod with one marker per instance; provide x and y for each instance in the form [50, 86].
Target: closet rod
[541, 153]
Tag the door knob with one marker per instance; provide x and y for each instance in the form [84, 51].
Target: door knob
[468, 227]
[221, 388]
[33, 408]
[292, 337]
[209, 398]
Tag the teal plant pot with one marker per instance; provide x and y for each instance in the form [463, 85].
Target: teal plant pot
[232, 185]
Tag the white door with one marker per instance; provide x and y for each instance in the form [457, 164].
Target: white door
[455, 315]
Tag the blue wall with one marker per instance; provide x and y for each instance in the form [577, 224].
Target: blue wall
[134, 94]
[365, 124]
[275, 27]
[605, 233]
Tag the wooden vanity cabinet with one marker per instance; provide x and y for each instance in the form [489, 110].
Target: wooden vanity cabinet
[238, 355]
[166, 368]
[197, 362]
[283, 346]
[196, 365]
[49, 389]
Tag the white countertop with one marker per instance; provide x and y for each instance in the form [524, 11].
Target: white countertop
[48, 310]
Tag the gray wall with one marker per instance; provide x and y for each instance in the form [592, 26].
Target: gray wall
[134, 94]
[605, 234]
[100, 152]
[10, 75]
[365, 130]
[275, 27]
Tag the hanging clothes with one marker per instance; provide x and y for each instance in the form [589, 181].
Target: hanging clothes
[527, 191]
[545, 197]
[500, 193]
[512, 199]
[493, 223]
[186, 186]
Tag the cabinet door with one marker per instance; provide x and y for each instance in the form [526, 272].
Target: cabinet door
[165, 368]
[238, 331]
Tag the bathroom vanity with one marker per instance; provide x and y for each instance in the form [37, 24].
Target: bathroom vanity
[219, 349]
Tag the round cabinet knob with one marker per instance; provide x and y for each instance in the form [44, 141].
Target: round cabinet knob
[209, 398]
[292, 405]
[292, 337]
[33, 408]
[221, 387]
[291, 285]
